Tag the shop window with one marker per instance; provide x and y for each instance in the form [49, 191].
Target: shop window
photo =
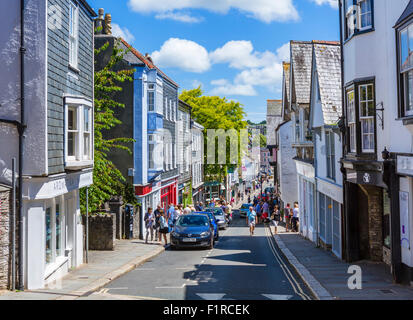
[386, 220]
[49, 255]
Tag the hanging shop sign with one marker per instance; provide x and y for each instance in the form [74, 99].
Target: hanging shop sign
[366, 178]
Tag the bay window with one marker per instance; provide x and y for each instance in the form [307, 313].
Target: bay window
[367, 112]
[361, 118]
[405, 68]
[365, 14]
[78, 132]
[358, 16]
[351, 116]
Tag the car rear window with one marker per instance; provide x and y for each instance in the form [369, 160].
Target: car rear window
[192, 221]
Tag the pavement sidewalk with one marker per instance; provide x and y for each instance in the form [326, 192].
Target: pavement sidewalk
[103, 267]
[327, 276]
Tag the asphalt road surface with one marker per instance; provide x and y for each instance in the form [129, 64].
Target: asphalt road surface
[240, 267]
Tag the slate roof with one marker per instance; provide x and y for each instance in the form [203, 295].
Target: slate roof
[406, 14]
[274, 108]
[327, 58]
[301, 59]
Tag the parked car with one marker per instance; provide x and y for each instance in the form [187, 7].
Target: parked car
[194, 230]
[244, 210]
[213, 221]
[219, 216]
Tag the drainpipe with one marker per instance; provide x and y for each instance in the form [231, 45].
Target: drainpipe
[21, 129]
[343, 140]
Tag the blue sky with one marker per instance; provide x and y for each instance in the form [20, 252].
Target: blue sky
[233, 48]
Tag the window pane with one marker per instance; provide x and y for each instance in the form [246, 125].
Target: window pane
[71, 144]
[49, 254]
[72, 119]
[366, 16]
[410, 33]
[409, 90]
[86, 119]
[363, 109]
[58, 231]
[151, 159]
[404, 50]
[86, 146]
[151, 101]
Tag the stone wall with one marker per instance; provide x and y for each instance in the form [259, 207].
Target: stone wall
[4, 239]
[102, 231]
[375, 222]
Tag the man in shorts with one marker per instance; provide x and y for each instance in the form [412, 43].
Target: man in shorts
[251, 220]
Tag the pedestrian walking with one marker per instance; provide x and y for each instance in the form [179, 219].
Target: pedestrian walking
[157, 214]
[164, 228]
[252, 220]
[295, 217]
[287, 216]
[149, 219]
[275, 218]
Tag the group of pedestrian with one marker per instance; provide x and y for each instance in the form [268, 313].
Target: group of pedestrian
[158, 223]
[292, 217]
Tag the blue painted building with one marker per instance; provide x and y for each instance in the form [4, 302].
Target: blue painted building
[149, 118]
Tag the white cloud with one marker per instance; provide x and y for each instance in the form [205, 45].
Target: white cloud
[183, 54]
[117, 31]
[224, 87]
[178, 16]
[283, 52]
[332, 3]
[263, 10]
[241, 55]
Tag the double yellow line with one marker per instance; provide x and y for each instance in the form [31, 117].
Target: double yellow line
[288, 274]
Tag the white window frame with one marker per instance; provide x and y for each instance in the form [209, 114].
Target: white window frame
[369, 119]
[150, 92]
[73, 35]
[330, 155]
[151, 142]
[79, 160]
[165, 107]
[351, 119]
[360, 14]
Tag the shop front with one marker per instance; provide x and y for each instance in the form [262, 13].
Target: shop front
[367, 214]
[198, 194]
[404, 170]
[169, 193]
[330, 200]
[185, 193]
[306, 199]
[54, 241]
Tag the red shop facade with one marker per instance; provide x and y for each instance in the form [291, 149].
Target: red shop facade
[169, 193]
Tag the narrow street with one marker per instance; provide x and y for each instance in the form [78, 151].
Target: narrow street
[240, 267]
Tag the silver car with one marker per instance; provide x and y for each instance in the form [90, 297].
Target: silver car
[219, 216]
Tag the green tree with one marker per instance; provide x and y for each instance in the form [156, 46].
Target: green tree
[214, 112]
[107, 179]
[263, 141]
